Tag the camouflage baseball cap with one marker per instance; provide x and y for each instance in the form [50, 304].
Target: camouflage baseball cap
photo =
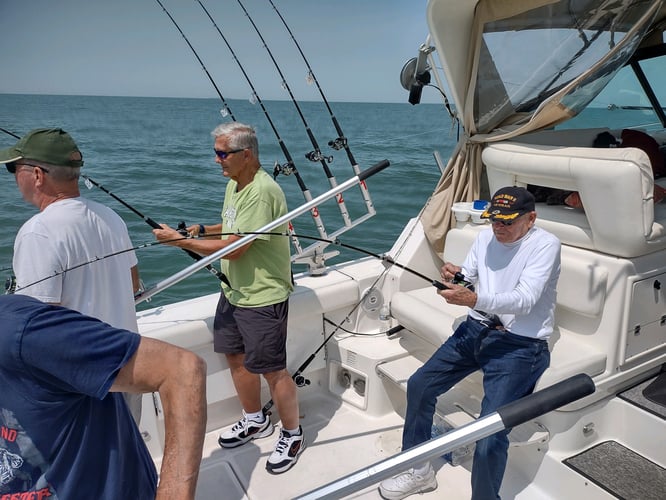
[48, 145]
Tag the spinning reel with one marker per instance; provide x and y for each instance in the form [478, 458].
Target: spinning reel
[317, 155]
[286, 169]
[338, 144]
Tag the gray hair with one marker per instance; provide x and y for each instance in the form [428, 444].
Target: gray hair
[59, 173]
[239, 136]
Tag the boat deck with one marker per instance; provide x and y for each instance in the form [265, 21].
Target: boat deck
[240, 473]
[341, 439]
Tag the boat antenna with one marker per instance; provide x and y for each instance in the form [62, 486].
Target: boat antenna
[316, 155]
[341, 141]
[227, 110]
[218, 274]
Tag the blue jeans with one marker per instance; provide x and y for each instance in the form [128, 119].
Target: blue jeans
[511, 365]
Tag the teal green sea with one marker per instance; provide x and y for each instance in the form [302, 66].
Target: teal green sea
[156, 155]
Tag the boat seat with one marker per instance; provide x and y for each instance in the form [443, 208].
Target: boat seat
[428, 316]
[581, 290]
[615, 185]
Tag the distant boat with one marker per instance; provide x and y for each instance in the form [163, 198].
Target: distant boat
[615, 106]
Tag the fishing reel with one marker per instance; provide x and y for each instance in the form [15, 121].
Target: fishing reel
[459, 279]
[286, 169]
[338, 144]
[317, 155]
[10, 285]
[182, 229]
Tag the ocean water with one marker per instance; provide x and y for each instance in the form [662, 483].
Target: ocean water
[156, 155]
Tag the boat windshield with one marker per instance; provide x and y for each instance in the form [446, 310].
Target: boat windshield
[528, 57]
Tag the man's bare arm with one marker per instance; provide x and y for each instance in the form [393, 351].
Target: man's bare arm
[180, 378]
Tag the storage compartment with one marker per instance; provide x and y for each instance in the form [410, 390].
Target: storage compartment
[647, 317]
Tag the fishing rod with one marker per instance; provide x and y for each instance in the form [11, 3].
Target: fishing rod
[218, 274]
[227, 109]
[386, 259]
[271, 225]
[297, 376]
[148, 220]
[9, 133]
[341, 141]
[290, 166]
[315, 155]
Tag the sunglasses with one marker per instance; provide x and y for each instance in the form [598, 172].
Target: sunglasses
[503, 222]
[11, 167]
[222, 155]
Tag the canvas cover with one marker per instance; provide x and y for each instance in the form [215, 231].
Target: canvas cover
[530, 65]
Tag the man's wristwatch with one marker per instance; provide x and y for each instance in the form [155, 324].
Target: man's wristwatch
[202, 230]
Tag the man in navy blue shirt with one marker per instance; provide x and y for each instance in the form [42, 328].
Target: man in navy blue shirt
[63, 421]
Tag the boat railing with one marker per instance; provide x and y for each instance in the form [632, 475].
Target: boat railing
[505, 417]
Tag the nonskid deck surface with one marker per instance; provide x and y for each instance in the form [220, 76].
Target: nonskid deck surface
[637, 396]
[340, 440]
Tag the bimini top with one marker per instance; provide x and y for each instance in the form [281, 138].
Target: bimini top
[510, 62]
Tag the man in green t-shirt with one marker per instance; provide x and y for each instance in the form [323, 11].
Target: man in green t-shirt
[250, 325]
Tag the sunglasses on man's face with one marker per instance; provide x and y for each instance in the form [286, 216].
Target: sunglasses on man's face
[505, 222]
[12, 167]
[223, 155]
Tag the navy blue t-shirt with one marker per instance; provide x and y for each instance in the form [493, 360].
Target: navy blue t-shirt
[62, 434]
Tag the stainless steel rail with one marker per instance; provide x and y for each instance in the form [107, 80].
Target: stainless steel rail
[507, 416]
[181, 275]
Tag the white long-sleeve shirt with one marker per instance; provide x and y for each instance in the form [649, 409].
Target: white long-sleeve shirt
[516, 281]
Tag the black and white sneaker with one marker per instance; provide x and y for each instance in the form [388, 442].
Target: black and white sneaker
[245, 430]
[286, 453]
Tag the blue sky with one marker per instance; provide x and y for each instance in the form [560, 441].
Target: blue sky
[130, 47]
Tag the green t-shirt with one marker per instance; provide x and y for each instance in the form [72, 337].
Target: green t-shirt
[262, 276]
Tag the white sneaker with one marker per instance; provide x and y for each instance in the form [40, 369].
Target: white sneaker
[244, 430]
[287, 450]
[408, 483]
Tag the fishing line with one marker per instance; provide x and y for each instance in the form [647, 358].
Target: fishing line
[148, 220]
[355, 334]
[315, 155]
[341, 141]
[218, 274]
[97, 259]
[387, 260]
[227, 109]
[401, 136]
[290, 166]
[336, 242]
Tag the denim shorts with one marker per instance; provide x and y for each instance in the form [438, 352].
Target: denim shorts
[258, 332]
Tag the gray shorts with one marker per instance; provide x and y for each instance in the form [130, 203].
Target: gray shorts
[259, 332]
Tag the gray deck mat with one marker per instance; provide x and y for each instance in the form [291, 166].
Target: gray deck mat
[635, 396]
[620, 471]
[656, 391]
